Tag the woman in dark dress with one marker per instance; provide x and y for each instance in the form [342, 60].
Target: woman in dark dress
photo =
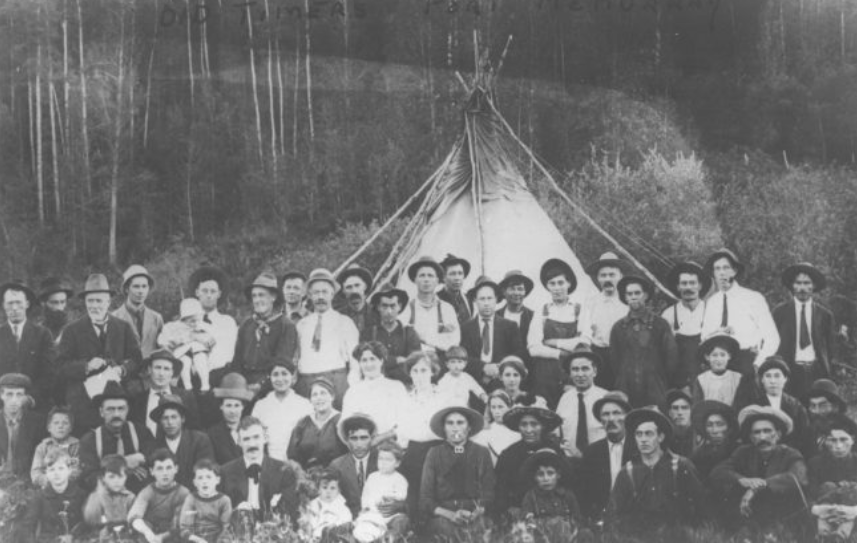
[314, 441]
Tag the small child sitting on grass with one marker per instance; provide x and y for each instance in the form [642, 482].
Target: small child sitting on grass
[55, 513]
[383, 489]
[206, 512]
[328, 510]
[108, 506]
[154, 513]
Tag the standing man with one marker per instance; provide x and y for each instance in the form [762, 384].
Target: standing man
[95, 350]
[604, 310]
[515, 287]
[147, 324]
[739, 312]
[580, 424]
[354, 467]
[327, 339]
[356, 282]
[294, 294]
[266, 338]
[188, 446]
[26, 347]
[660, 488]
[54, 294]
[399, 339]
[435, 320]
[21, 428]
[689, 282]
[209, 286]
[643, 349]
[115, 435]
[806, 328]
[455, 271]
[491, 336]
[163, 367]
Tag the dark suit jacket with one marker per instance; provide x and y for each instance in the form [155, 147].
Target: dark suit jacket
[30, 433]
[526, 319]
[78, 346]
[595, 482]
[137, 408]
[507, 340]
[347, 469]
[225, 448]
[33, 356]
[254, 359]
[822, 332]
[276, 478]
[194, 445]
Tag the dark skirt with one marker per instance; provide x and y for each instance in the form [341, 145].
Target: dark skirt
[412, 470]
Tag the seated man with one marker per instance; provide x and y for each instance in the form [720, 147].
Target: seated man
[355, 466]
[763, 479]
[822, 402]
[188, 446]
[678, 410]
[21, 428]
[833, 479]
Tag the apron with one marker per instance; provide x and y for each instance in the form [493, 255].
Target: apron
[688, 351]
[548, 375]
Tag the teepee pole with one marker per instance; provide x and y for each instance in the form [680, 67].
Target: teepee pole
[577, 207]
[476, 189]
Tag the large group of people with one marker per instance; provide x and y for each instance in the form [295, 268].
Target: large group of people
[342, 415]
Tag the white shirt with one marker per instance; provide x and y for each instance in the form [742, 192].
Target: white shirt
[615, 450]
[151, 404]
[775, 401]
[252, 489]
[279, 418]
[748, 316]
[339, 337]
[689, 320]
[567, 312]
[225, 332]
[514, 317]
[414, 420]
[602, 312]
[427, 326]
[173, 444]
[380, 398]
[497, 437]
[459, 387]
[568, 410]
[808, 354]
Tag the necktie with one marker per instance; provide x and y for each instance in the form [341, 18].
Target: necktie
[120, 446]
[486, 338]
[253, 472]
[16, 330]
[361, 475]
[724, 321]
[13, 444]
[102, 335]
[582, 436]
[804, 328]
[316, 336]
[206, 319]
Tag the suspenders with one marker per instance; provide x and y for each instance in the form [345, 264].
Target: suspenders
[412, 320]
[99, 439]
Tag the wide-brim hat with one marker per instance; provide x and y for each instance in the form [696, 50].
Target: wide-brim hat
[266, 280]
[584, 351]
[721, 253]
[207, 273]
[546, 457]
[452, 260]
[137, 270]
[692, 268]
[789, 274]
[829, 390]
[752, 413]
[15, 380]
[702, 410]
[52, 285]
[616, 396]
[555, 266]
[168, 401]
[517, 276]
[112, 391]
[485, 281]
[233, 386]
[550, 420]
[677, 394]
[322, 274]
[606, 260]
[293, 274]
[725, 341]
[340, 426]
[385, 291]
[96, 283]
[515, 362]
[774, 362]
[422, 262]
[356, 270]
[647, 285]
[19, 285]
[649, 414]
[163, 354]
[474, 420]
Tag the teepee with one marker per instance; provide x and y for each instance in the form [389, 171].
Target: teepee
[477, 205]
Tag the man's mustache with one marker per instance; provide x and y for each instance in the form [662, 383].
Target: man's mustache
[608, 283]
[686, 291]
[354, 297]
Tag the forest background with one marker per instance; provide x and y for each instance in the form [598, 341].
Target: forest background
[280, 133]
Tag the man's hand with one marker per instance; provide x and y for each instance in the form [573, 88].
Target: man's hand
[752, 483]
[569, 450]
[389, 508]
[135, 460]
[244, 506]
[746, 509]
[95, 364]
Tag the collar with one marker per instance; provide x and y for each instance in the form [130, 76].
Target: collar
[174, 440]
[799, 303]
[699, 304]
[646, 316]
[434, 302]
[612, 444]
[134, 311]
[16, 419]
[19, 325]
[153, 392]
[609, 299]
[396, 325]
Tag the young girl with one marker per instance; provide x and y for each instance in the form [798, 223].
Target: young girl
[717, 383]
[496, 436]
[60, 423]
[547, 499]
[190, 340]
[205, 513]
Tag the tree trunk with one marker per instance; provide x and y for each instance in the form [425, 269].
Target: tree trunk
[54, 147]
[117, 145]
[309, 79]
[190, 54]
[66, 83]
[282, 101]
[253, 82]
[83, 99]
[149, 81]
[31, 117]
[297, 91]
[271, 111]
[40, 179]
[189, 186]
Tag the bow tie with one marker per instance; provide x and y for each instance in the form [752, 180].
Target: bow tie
[253, 471]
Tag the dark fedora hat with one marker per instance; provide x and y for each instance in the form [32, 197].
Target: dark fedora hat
[358, 271]
[841, 421]
[293, 274]
[689, 267]
[606, 260]
[555, 266]
[677, 394]
[52, 285]
[485, 281]
[724, 253]
[790, 273]
[233, 386]
[517, 276]
[163, 354]
[752, 413]
[616, 396]
[168, 401]
[827, 389]
[701, 411]
[452, 260]
[424, 262]
[634, 280]
[207, 273]
[474, 419]
[112, 391]
[550, 420]
[387, 290]
[17, 284]
[96, 283]
[584, 351]
[649, 414]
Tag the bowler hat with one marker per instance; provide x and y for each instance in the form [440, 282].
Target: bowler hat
[829, 390]
[385, 291]
[15, 380]
[616, 396]
[648, 288]
[724, 253]
[233, 385]
[474, 420]
[207, 273]
[266, 280]
[701, 411]
[18, 285]
[424, 262]
[774, 362]
[677, 394]
[96, 283]
[606, 260]
[485, 281]
[550, 420]
[136, 270]
[322, 274]
[517, 276]
[553, 267]
[752, 413]
[789, 274]
[649, 414]
[356, 270]
[168, 401]
[163, 354]
[689, 267]
[584, 351]
[52, 285]
[340, 426]
[112, 391]
[452, 260]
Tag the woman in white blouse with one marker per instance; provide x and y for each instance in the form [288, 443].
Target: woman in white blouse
[375, 395]
[281, 410]
[496, 436]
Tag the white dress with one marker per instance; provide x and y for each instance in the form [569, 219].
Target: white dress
[380, 398]
[497, 437]
[279, 418]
